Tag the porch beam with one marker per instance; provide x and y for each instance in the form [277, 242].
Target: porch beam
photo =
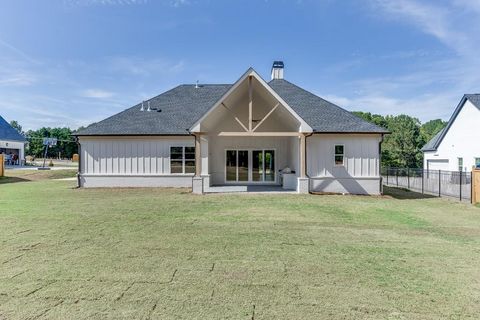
[235, 117]
[250, 103]
[266, 116]
[198, 156]
[260, 134]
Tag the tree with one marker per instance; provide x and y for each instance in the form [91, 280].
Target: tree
[404, 143]
[430, 128]
[17, 126]
[377, 119]
[66, 146]
[401, 148]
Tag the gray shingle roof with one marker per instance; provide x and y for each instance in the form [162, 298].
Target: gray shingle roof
[474, 98]
[182, 106]
[433, 144]
[322, 115]
[7, 132]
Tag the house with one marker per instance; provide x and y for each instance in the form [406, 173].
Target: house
[457, 147]
[239, 135]
[12, 143]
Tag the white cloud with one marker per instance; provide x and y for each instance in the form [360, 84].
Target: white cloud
[18, 78]
[103, 2]
[178, 3]
[145, 67]
[97, 93]
[434, 88]
[87, 3]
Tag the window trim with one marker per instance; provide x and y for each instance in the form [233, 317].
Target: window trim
[335, 154]
[183, 159]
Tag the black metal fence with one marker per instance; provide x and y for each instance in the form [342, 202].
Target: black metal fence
[454, 184]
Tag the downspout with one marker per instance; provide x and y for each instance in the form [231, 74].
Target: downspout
[380, 163]
[306, 156]
[79, 161]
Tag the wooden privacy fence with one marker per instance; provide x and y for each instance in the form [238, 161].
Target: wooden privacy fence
[475, 185]
[2, 165]
[441, 183]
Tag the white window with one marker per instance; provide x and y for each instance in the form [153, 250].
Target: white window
[182, 160]
[339, 154]
[460, 164]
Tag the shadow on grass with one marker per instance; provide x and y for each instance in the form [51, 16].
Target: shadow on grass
[5, 180]
[404, 194]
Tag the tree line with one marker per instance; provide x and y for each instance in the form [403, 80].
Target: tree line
[400, 148]
[66, 146]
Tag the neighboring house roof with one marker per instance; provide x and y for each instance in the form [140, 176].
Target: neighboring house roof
[184, 105]
[7, 132]
[433, 144]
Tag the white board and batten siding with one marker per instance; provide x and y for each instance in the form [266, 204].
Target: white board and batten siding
[460, 141]
[131, 161]
[360, 173]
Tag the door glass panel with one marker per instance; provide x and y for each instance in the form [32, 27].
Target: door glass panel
[231, 165]
[257, 165]
[242, 165]
[269, 165]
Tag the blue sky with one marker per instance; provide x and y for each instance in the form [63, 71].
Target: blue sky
[74, 62]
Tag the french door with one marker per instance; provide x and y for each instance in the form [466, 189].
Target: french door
[237, 165]
[250, 166]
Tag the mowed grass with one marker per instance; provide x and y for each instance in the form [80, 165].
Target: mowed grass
[69, 253]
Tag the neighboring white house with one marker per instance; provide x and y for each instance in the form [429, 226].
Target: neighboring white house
[457, 146]
[12, 143]
[235, 136]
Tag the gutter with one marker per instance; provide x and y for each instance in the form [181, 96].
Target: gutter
[79, 161]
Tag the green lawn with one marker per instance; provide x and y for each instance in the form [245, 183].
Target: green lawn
[69, 253]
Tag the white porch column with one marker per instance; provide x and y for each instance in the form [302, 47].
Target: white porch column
[204, 154]
[205, 167]
[303, 181]
[197, 183]
[302, 156]
[198, 156]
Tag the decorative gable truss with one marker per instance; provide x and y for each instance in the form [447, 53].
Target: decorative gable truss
[249, 82]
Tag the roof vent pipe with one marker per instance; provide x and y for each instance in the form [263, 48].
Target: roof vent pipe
[142, 108]
[277, 70]
[196, 85]
[149, 107]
